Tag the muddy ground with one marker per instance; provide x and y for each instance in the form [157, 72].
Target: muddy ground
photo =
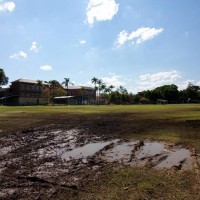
[65, 160]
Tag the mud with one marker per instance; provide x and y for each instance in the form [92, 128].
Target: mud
[60, 159]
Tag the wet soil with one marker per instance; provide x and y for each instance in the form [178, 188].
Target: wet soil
[45, 162]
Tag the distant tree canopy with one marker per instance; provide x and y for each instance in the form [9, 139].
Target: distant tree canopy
[171, 93]
[168, 92]
[3, 78]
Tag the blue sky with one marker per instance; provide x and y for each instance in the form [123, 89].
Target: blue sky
[139, 44]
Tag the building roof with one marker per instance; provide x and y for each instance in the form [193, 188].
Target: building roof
[78, 87]
[25, 80]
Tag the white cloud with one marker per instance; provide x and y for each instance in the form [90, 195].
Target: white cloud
[82, 42]
[8, 6]
[151, 81]
[115, 80]
[19, 55]
[101, 10]
[138, 36]
[34, 47]
[46, 68]
[183, 85]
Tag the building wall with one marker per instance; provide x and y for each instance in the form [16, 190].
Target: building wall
[31, 101]
[25, 93]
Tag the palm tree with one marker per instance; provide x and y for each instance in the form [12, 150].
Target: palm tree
[39, 84]
[53, 84]
[66, 82]
[94, 81]
[99, 82]
[107, 90]
[111, 87]
[103, 88]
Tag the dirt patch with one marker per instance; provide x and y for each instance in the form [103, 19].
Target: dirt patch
[42, 163]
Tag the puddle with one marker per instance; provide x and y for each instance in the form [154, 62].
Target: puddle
[130, 152]
[175, 158]
[150, 149]
[84, 151]
[121, 152]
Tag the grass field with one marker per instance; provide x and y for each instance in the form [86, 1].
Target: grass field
[173, 124]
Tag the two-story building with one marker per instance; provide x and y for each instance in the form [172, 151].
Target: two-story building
[29, 92]
[24, 92]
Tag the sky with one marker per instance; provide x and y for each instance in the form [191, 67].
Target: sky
[138, 44]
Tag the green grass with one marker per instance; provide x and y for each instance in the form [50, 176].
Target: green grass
[171, 123]
[167, 110]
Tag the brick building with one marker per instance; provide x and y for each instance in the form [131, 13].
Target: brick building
[23, 92]
[29, 92]
[78, 95]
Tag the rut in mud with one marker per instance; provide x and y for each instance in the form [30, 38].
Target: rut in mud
[59, 158]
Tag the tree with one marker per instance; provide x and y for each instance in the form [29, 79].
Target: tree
[59, 92]
[66, 82]
[94, 81]
[40, 85]
[111, 87]
[99, 82]
[3, 78]
[53, 84]
[192, 92]
[46, 93]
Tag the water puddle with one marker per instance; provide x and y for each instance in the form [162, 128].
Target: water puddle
[175, 158]
[150, 149]
[129, 152]
[84, 151]
[121, 152]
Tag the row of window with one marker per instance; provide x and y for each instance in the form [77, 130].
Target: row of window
[26, 94]
[30, 87]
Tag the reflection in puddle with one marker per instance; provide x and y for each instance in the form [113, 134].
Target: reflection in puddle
[174, 159]
[84, 151]
[150, 150]
[129, 152]
[121, 152]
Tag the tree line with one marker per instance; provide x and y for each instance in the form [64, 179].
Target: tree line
[170, 93]
[120, 95]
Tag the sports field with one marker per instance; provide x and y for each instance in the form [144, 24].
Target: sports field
[31, 134]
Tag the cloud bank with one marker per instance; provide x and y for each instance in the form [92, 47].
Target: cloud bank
[114, 80]
[101, 10]
[151, 81]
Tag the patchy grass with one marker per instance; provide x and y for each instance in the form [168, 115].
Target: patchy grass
[170, 123]
[136, 183]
